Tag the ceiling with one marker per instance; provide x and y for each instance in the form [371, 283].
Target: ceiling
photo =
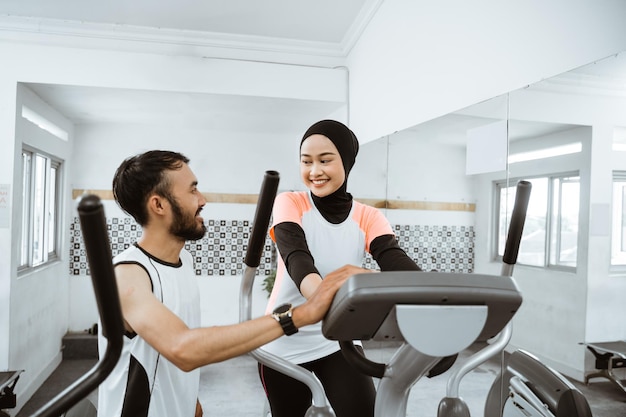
[326, 26]
[320, 21]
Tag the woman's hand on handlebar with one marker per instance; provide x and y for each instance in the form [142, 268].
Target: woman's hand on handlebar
[315, 308]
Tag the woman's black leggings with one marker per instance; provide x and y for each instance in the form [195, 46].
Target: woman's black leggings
[350, 393]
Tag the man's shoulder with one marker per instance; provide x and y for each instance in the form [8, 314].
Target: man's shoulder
[131, 253]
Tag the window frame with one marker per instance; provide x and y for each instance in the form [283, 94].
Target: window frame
[556, 231]
[49, 212]
[618, 223]
[550, 222]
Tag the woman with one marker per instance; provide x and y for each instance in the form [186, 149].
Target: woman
[317, 232]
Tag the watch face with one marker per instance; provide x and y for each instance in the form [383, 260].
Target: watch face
[282, 309]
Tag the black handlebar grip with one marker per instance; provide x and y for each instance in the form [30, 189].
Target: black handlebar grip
[98, 249]
[359, 362]
[262, 217]
[518, 217]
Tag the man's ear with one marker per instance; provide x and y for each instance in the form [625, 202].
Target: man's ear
[157, 204]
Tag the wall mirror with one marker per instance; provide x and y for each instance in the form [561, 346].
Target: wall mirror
[567, 136]
[424, 168]
[419, 177]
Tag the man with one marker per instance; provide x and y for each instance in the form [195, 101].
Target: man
[157, 374]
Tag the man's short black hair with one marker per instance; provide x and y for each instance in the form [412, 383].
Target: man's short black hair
[142, 175]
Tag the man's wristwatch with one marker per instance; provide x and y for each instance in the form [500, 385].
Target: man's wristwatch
[282, 314]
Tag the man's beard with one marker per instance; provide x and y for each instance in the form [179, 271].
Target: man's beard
[184, 226]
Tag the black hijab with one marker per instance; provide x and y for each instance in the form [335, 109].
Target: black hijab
[336, 206]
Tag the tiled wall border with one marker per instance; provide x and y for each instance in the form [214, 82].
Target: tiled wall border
[222, 250]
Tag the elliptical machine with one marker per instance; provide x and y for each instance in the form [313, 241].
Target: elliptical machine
[434, 315]
[415, 307]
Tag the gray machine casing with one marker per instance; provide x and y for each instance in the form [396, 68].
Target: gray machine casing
[364, 307]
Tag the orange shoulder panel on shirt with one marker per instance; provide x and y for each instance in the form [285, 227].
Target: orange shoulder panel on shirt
[371, 221]
[289, 207]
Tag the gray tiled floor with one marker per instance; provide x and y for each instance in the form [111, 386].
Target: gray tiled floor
[232, 389]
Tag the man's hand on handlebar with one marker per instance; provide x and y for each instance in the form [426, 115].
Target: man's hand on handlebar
[315, 308]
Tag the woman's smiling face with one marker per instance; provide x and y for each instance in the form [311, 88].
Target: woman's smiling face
[321, 167]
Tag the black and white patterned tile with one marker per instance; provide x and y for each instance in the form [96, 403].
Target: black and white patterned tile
[222, 251]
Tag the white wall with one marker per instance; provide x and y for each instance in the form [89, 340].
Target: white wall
[8, 173]
[412, 161]
[368, 178]
[423, 170]
[39, 299]
[418, 60]
[604, 287]
[223, 161]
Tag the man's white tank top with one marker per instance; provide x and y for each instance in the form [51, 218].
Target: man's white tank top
[144, 383]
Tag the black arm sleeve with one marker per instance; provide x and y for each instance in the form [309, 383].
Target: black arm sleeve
[294, 251]
[390, 256]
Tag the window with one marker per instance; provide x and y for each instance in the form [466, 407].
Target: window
[618, 239]
[564, 227]
[40, 185]
[550, 235]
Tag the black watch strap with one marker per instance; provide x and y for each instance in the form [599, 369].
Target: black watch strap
[282, 315]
